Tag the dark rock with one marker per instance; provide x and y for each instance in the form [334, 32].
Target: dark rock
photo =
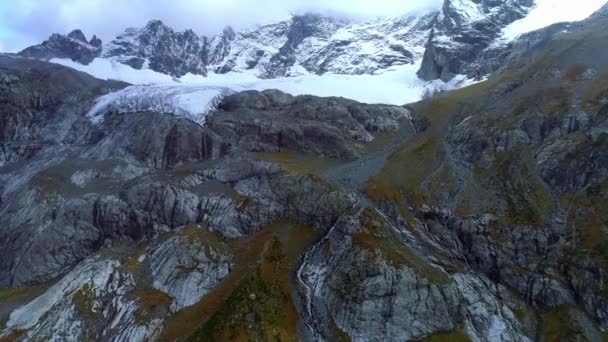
[463, 32]
[73, 46]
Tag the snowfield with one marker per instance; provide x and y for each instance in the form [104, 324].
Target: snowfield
[548, 12]
[193, 96]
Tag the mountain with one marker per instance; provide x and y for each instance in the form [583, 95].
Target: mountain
[462, 30]
[73, 46]
[476, 214]
[451, 41]
[161, 49]
[305, 44]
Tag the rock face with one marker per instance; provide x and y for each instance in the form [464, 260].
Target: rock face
[272, 121]
[304, 44]
[73, 46]
[462, 31]
[161, 49]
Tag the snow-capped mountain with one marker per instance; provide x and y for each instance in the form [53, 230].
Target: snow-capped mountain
[384, 60]
[161, 49]
[305, 44]
[462, 31]
[449, 39]
[74, 46]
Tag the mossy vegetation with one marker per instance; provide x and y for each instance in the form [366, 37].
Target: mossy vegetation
[457, 335]
[16, 335]
[596, 92]
[337, 334]
[200, 235]
[404, 172]
[261, 307]
[378, 238]
[297, 163]
[513, 179]
[558, 324]
[588, 221]
[84, 299]
[575, 72]
[254, 301]
[150, 300]
[13, 293]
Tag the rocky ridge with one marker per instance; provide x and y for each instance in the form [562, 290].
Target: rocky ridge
[74, 46]
[449, 42]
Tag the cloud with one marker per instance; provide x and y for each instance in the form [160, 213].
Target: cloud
[26, 22]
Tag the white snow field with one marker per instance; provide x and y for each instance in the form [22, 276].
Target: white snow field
[548, 12]
[193, 96]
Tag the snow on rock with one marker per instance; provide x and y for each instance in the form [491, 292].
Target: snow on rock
[192, 96]
[191, 102]
[113, 69]
[548, 12]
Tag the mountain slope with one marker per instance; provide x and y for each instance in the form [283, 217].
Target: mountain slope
[477, 214]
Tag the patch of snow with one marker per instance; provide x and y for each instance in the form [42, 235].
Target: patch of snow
[192, 102]
[193, 96]
[112, 69]
[548, 12]
[468, 9]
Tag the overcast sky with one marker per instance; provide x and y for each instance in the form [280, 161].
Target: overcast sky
[26, 22]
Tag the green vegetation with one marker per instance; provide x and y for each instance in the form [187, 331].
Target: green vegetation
[201, 236]
[148, 301]
[558, 325]
[13, 293]
[260, 306]
[378, 238]
[337, 334]
[84, 300]
[265, 264]
[513, 179]
[16, 335]
[457, 335]
[596, 91]
[405, 171]
[297, 163]
[575, 73]
[588, 220]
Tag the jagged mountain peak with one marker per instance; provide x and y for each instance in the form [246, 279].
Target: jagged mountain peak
[229, 32]
[453, 40]
[74, 46]
[78, 35]
[463, 30]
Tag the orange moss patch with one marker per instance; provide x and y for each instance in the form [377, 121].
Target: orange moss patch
[216, 315]
[148, 301]
[379, 239]
[575, 73]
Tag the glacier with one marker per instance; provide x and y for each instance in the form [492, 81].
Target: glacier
[193, 96]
